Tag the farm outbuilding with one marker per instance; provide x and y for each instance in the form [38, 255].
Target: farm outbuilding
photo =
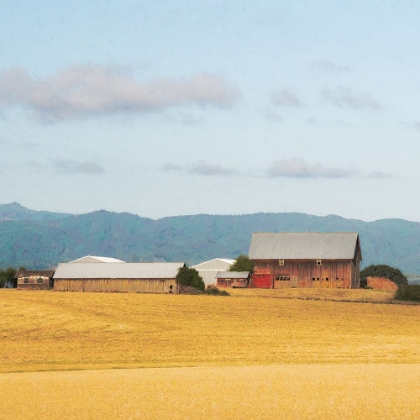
[317, 260]
[34, 279]
[208, 269]
[117, 277]
[232, 279]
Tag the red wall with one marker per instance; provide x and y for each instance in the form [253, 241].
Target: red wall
[306, 273]
[262, 281]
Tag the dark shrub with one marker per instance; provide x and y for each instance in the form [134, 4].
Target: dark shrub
[190, 277]
[216, 292]
[408, 292]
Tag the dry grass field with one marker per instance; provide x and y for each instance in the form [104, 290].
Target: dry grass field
[245, 356]
[248, 392]
[44, 330]
[348, 295]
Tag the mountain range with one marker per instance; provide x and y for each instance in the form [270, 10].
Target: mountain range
[41, 239]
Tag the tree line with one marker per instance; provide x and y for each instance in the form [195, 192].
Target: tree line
[8, 277]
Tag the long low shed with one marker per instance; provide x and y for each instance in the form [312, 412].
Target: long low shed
[117, 277]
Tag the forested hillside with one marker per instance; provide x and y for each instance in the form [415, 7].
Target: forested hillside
[42, 239]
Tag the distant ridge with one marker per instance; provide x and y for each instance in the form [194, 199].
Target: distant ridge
[14, 211]
[43, 239]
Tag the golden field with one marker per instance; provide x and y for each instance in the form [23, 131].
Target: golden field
[246, 392]
[252, 355]
[45, 330]
[348, 295]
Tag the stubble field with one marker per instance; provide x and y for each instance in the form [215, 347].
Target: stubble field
[218, 357]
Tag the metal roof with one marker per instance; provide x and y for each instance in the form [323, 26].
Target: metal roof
[308, 245]
[232, 274]
[214, 264]
[94, 259]
[28, 273]
[118, 271]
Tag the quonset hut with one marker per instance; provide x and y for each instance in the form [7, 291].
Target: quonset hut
[117, 277]
[319, 260]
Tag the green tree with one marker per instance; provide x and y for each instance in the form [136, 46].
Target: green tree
[189, 277]
[7, 276]
[242, 263]
[382, 270]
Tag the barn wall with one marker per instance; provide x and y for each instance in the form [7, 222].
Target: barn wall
[306, 273]
[33, 284]
[116, 285]
[209, 277]
[223, 283]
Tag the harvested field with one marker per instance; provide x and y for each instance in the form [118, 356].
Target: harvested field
[347, 295]
[45, 330]
[249, 392]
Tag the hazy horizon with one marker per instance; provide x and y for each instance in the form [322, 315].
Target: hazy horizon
[207, 214]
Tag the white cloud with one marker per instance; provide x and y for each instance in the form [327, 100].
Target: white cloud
[169, 166]
[285, 98]
[273, 116]
[342, 97]
[381, 175]
[203, 168]
[299, 168]
[200, 168]
[85, 90]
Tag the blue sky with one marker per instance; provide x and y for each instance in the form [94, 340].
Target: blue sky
[164, 108]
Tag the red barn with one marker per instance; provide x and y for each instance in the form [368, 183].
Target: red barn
[319, 260]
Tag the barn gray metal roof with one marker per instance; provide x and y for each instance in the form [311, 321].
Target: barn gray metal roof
[118, 271]
[308, 245]
[214, 264]
[232, 274]
[96, 259]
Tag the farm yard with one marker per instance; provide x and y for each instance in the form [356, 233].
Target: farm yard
[245, 356]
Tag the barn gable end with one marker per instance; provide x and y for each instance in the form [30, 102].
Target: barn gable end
[317, 260]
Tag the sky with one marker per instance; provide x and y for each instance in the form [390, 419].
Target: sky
[165, 108]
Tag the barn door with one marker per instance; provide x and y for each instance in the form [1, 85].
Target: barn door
[262, 281]
[293, 281]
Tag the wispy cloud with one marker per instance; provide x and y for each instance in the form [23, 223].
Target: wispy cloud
[200, 168]
[410, 125]
[272, 116]
[286, 98]
[73, 167]
[381, 175]
[78, 92]
[312, 121]
[299, 168]
[186, 118]
[327, 67]
[343, 97]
